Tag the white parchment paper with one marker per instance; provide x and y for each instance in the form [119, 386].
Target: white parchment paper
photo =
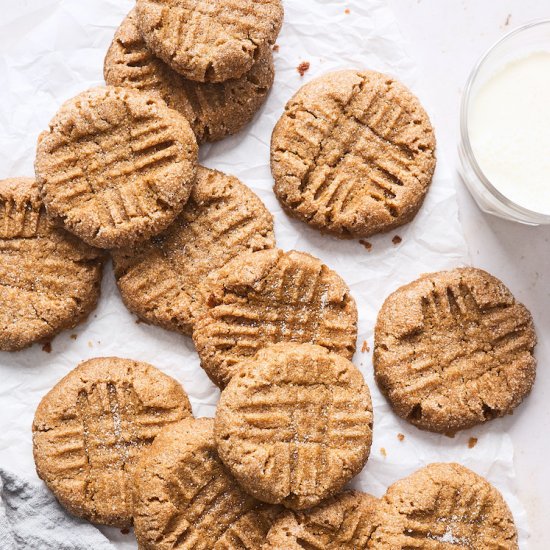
[52, 49]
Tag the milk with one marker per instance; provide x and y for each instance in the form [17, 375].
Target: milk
[509, 128]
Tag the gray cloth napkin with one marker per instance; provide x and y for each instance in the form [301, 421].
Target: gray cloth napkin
[32, 519]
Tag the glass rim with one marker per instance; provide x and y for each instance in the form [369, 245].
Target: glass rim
[535, 216]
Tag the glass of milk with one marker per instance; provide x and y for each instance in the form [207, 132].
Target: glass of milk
[505, 127]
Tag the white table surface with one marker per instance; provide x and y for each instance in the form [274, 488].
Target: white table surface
[445, 39]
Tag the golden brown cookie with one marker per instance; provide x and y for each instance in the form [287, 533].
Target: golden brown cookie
[185, 499]
[116, 166]
[353, 154]
[454, 349]
[209, 40]
[91, 428]
[295, 424]
[214, 111]
[49, 280]
[272, 296]
[343, 522]
[160, 281]
[443, 507]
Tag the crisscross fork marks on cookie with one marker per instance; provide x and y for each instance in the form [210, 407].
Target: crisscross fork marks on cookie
[116, 165]
[348, 167]
[300, 419]
[316, 423]
[115, 169]
[443, 506]
[455, 347]
[90, 429]
[116, 426]
[295, 298]
[353, 153]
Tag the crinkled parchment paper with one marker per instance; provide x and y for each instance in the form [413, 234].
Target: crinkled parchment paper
[52, 49]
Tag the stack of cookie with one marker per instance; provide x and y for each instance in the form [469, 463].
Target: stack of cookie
[210, 61]
[118, 169]
[194, 251]
[116, 442]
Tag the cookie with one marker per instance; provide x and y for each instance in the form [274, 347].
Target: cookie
[454, 349]
[160, 281]
[214, 111]
[209, 40]
[116, 166]
[295, 424]
[343, 522]
[186, 499]
[443, 506]
[353, 154]
[91, 428]
[49, 280]
[272, 296]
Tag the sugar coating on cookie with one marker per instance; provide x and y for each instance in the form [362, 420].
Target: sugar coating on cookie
[353, 154]
[214, 111]
[343, 522]
[185, 498]
[116, 166]
[209, 40]
[454, 349]
[161, 280]
[49, 280]
[91, 428]
[272, 296]
[443, 506]
[294, 425]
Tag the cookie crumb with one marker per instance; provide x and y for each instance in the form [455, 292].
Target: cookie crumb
[366, 244]
[138, 321]
[125, 531]
[90, 344]
[74, 336]
[383, 452]
[397, 239]
[303, 67]
[401, 437]
[275, 47]
[472, 442]
[365, 348]
[347, 10]
[47, 347]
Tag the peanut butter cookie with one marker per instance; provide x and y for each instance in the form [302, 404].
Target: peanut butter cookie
[272, 296]
[160, 281]
[49, 280]
[209, 40]
[454, 349]
[443, 506]
[295, 424]
[353, 154]
[343, 522]
[91, 428]
[214, 111]
[185, 498]
[116, 166]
